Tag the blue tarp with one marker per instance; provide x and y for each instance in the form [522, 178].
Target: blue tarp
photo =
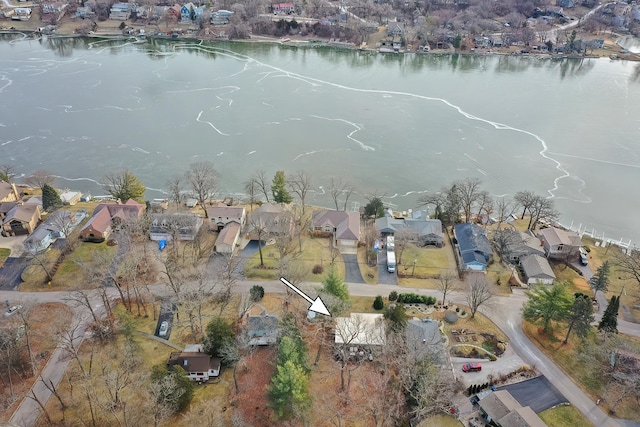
[162, 244]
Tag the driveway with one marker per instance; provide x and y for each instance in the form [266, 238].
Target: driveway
[14, 243]
[352, 269]
[384, 277]
[11, 273]
[166, 314]
[508, 362]
[538, 393]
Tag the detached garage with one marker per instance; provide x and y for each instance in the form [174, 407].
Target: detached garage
[536, 269]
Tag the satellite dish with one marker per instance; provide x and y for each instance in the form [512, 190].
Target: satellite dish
[311, 315]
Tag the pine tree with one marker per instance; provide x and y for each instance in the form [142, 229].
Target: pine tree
[279, 188]
[289, 391]
[609, 321]
[335, 286]
[50, 198]
[580, 316]
[600, 280]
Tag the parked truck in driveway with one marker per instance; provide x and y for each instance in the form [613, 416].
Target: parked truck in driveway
[391, 262]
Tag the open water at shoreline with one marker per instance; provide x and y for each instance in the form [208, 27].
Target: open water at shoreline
[398, 125]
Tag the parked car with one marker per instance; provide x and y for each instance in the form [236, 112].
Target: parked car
[164, 328]
[12, 310]
[584, 260]
[471, 367]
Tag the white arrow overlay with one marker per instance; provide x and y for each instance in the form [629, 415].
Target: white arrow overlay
[317, 305]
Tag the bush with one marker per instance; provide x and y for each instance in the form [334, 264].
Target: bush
[416, 299]
[464, 312]
[378, 303]
[457, 309]
[256, 293]
[393, 296]
[317, 269]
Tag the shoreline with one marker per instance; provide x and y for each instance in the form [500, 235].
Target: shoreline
[310, 43]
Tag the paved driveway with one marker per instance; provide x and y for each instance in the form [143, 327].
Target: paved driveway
[384, 277]
[352, 269]
[538, 393]
[166, 314]
[11, 273]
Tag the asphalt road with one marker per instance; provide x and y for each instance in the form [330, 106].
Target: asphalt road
[11, 273]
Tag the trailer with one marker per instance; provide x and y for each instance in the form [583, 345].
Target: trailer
[391, 262]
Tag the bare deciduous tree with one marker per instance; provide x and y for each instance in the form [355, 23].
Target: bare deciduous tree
[469, 193]
[401, 240]
[7, 172]
[526, 200]
[478, 294]
[39, 178]
[176, 187]
[300, 184]
[504, 208]
[338, 188]
[203, 179]
[542, 208]
[447, 282]
[263, 183]
[251, 188]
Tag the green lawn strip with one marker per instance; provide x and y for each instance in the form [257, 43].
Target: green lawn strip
[564, 416]
[4, 254]
[363, 305]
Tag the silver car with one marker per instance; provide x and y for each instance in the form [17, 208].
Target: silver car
[12, 310]
[164, 328]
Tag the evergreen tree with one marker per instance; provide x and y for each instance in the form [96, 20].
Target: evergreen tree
[291, 349]
[378, 303]
[609, 321]
[218, 331]
[580, 316]
[50, 198]
[334, 285]
[547, 304]
[397, 317]
[256, 292]
[600, 280]
[374, 208]
[279, 188]
[289, 391]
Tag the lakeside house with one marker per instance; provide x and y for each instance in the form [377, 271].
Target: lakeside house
[70, 198]
[536, 269]
[106, 216]
[518, 245]
[342, 226]
[227, 240]
[56, 226]
[421, 230]
[8, 192]
[20, 218]
[120, 11]
[219, 215]
[178, 226]
[473, 245]
[269, 220]
[560, 244]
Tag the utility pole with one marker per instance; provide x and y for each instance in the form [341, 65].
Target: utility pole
[415, 260]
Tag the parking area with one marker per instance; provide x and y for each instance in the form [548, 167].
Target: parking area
[11, 273]
[384, 277]
[166, 315]
[352, 269]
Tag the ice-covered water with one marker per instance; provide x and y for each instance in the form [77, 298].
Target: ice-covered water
[394, 125]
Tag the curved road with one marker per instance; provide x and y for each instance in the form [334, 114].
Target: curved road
[505, 311]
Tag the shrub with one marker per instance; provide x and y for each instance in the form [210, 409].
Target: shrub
[393, 296]
[256, 293]
[457, 309]
[317, 269]
[464, 313]
[378, 303]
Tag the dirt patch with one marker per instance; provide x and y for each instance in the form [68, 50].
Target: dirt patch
[254, 375]
[44, 320]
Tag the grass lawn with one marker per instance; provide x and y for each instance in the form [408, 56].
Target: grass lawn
[315, 251]
[430, 261]
[479, 324]
[564, 416]
[497, 272]
[440, 420]
[70, 274]
[576, 282]
[4, 254]
[34, 276]
[363, 305]
[369, 274]
[584, 375]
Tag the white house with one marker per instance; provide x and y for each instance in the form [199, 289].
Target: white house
[228, 238]
[220, 215]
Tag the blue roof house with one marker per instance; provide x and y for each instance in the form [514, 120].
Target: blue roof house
[473, 246]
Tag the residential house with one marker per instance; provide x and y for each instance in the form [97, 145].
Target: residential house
[35, 200]
[270, 219]
[57, 226]
[220, 215]
[21, 14]
[198, 365]
[221, 17]
[198, 13]
[473, 246]
[120, 11]
[108, 215]
[342, 226]
[158, 205]
[5, 207]
[227, 240]
[424, 231]
[190, 202]
[395, 29]
[566, 4]
[51, 13]
[560, 244]
[362, 333]
[424, 339]
[181, 226]
[143, 12]
[158, 12]
[70, 198]
[22, 218]
[187, 12]
[517, 244]
[85, 12]
[8, 192]
[282, 8]
[501, 409]
[536, 269]
[262, 329]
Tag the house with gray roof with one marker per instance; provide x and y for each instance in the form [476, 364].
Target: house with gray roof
[272, 219]
[425, 231]
[536, 269]
[342, 226]
[473, 246]
[181, 226]
[57, 226]
[501, 409]
[517, 244]
[262, 329]
[559, 243]
[220, 215]
[424, 340]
